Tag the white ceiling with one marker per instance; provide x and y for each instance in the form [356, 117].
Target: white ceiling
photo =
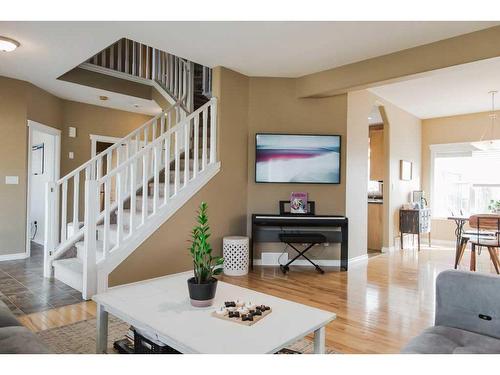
[281, 49]
[447, 92]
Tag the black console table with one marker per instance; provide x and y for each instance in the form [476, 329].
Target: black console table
[268, 228]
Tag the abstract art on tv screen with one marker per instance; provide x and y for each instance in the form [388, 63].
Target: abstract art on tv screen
[291, 158]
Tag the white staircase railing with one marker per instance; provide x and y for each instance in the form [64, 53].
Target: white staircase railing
[128, 173]
[59, 236]
[173, 73]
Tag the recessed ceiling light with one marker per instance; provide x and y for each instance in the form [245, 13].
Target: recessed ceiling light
[103, 97]
[7, 44]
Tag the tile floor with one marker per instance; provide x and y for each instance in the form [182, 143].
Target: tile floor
[24, 289]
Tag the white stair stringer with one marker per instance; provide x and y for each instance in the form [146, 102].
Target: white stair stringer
[130, 243]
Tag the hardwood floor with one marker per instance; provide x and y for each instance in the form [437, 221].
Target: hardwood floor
[58, 317]
[380, 303]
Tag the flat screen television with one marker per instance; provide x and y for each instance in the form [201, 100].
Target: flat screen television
[297, 158]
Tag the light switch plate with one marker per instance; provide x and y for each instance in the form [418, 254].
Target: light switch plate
[12, 180]
[71, 155]
[72, 132]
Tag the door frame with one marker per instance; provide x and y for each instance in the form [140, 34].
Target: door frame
[33, 125]
[94, 138]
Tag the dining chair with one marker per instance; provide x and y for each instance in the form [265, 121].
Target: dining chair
[482, 227]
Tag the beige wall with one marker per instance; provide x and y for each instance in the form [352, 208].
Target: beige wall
[45, 108]
[274, 108]
[19, 101]
[91, 119]
[452, 129]
[166, 251]
[13, 161]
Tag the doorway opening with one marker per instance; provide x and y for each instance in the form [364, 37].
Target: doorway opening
[44, 158]
[100, 143]
[376, 176]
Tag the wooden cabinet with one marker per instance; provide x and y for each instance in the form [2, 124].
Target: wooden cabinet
[377, 155]
[375, 226]
[415, 221]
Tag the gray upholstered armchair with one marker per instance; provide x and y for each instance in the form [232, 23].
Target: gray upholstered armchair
[467, 316]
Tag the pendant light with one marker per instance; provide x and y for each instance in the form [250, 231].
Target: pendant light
[492, 143]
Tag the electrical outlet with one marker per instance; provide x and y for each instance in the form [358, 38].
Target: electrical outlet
[71, 155]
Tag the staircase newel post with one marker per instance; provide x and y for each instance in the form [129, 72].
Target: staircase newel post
[51, 228]
[90, 239]
[213, 130]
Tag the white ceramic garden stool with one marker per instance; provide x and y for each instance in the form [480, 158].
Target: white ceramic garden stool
[235, 253]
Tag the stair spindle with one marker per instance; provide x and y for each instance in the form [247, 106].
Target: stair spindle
[213, 132]
[177, 162]
[144, 188]
[134, 58]
[195, 145]
[162, 124]
[204, 141]
[76, 198]
[119, 212]
[112, 57]
[107, 218]
[167, 169]
[119, 47]
[156, 178]
[64, 210]
[140, 60]
[127, 54]
[186, 151]
[133, 195]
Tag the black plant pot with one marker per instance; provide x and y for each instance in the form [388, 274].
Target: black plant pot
[202, 295]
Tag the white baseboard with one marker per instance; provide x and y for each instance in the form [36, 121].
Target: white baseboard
[16, 256]
[358, 259]
[319, 262]
[388, 249]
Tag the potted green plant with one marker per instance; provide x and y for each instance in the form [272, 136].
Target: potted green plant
[203, 285]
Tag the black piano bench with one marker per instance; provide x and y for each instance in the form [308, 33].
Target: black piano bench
[301, 238]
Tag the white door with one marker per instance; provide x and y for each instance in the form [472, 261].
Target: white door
[43, 167]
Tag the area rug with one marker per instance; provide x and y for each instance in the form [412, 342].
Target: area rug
[80, 338]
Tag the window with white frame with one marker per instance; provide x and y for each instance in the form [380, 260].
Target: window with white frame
[464, 179]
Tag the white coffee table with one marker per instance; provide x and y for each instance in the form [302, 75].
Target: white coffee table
[161, 308]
